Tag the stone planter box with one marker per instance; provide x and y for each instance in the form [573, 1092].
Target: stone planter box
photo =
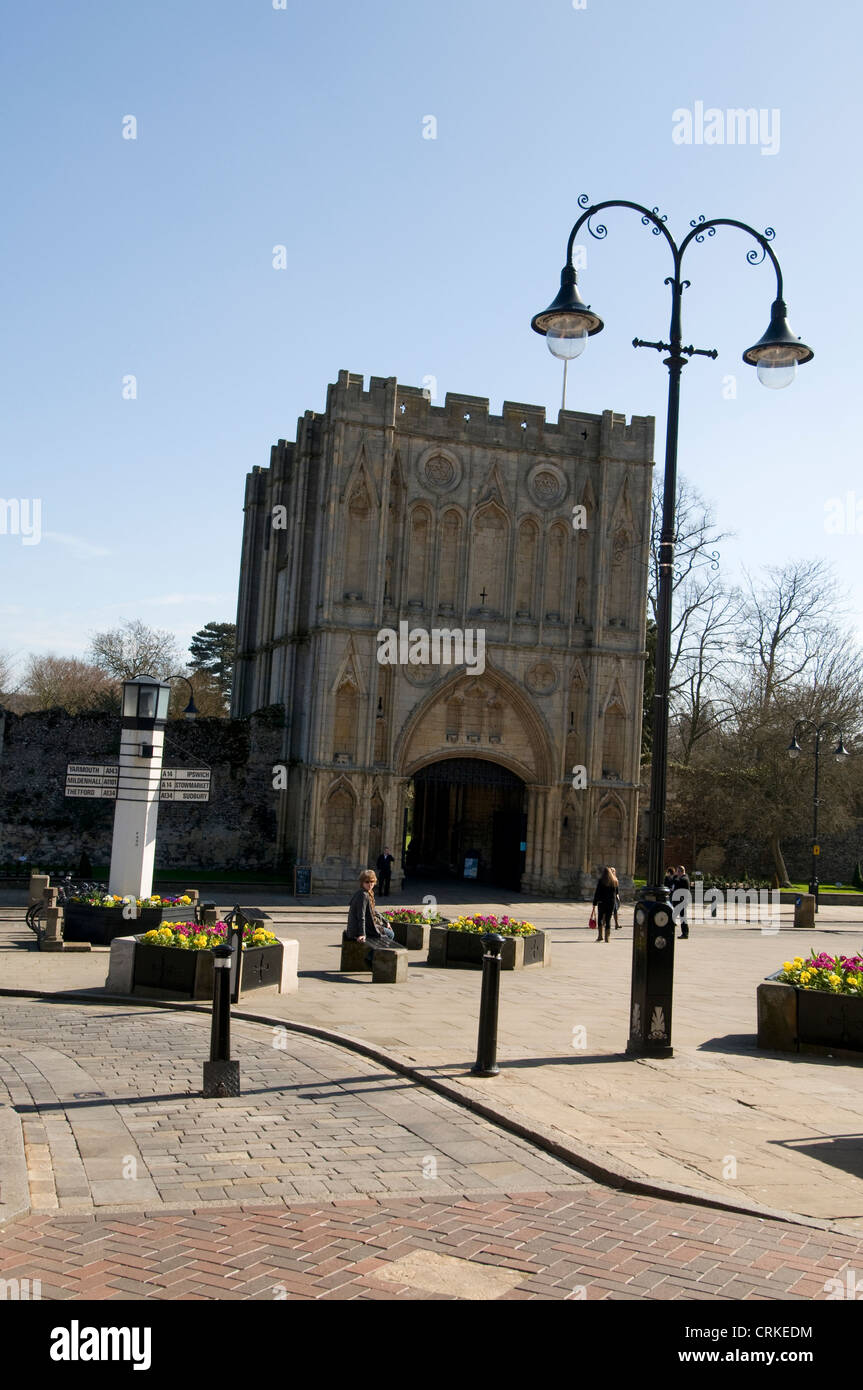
[413, 935]
[464, 950]
[100, 925]
[167, 972]
[803, 1020]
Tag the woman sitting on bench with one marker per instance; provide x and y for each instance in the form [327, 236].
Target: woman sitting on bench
[365, 923]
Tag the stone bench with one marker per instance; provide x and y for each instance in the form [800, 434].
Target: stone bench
[389, 965]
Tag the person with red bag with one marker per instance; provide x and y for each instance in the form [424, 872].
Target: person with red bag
[605, 902]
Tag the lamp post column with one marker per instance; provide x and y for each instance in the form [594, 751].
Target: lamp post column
[813, 887]
[658, 766]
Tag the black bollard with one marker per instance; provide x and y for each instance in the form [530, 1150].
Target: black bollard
[486, 1047]
[221, 1075]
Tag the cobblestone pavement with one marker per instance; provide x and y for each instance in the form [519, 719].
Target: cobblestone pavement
[330, 1178]
[111, 1117]
[586, 1243]
[722, 1117]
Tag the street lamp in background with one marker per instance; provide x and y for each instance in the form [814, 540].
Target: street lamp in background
[191, 710]
[840, 753]
[567, 324]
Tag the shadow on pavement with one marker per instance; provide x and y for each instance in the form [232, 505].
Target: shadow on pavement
[843, 1151]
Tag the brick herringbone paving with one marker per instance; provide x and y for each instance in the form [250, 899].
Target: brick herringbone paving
[330, 1178]
[587, 1243]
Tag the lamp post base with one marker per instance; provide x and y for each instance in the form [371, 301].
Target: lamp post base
[637, 1048]
[221, 1079]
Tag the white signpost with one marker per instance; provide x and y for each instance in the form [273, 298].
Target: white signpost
[136, 784]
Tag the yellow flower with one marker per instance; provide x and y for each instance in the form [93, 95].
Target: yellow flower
[805, 977]
[185, 901]
[833, 980]
[786, 965]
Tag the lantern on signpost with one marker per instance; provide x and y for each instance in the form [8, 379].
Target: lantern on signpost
[142, 737]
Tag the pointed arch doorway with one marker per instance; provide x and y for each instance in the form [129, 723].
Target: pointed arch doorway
[468, 808]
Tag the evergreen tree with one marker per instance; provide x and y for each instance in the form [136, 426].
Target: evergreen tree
[212, 650]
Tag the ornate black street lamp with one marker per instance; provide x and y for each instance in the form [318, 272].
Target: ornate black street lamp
[567, 323]
[191, 710]
[840, 753]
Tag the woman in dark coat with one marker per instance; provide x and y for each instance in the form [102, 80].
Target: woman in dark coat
[365, 923]
[604, 902]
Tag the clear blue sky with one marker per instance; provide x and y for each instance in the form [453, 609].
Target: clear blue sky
[406, 256]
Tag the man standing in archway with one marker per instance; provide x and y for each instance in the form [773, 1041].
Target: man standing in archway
[384, 867]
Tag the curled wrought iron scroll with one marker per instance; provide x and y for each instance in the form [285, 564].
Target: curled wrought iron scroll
[756, 257]
[696, 222]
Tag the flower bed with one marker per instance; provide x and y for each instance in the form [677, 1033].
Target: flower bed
[502, 926]
[188, 936]
[812, 1005]
[836, 974]
[411, 916]
[98, 917]
[177, 959]
[411, 926]
[460, 943]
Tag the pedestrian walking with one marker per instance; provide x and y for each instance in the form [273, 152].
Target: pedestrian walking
[365, 923]
[604, 899]
[682, 886]
[384, 867]
[616, 901]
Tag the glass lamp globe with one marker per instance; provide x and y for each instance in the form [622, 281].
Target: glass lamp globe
[566, 342]
[777, 368]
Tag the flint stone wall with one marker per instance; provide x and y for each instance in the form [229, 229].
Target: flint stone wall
[237, 828]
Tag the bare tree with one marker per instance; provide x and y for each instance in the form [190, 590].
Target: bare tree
[704, 615]
[785, 618]
[65, 682]
[702, 690]
[134, 649]
[6, 674]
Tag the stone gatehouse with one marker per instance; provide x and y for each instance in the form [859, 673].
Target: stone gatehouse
[388, 510]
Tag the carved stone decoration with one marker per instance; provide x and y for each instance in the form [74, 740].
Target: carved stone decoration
[541, 678]
[439, 469]
[657, 1025]
[635, 1027]
[547, 484]
[420, 675]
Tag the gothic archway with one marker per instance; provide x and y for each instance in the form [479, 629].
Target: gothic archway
[469, 819]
